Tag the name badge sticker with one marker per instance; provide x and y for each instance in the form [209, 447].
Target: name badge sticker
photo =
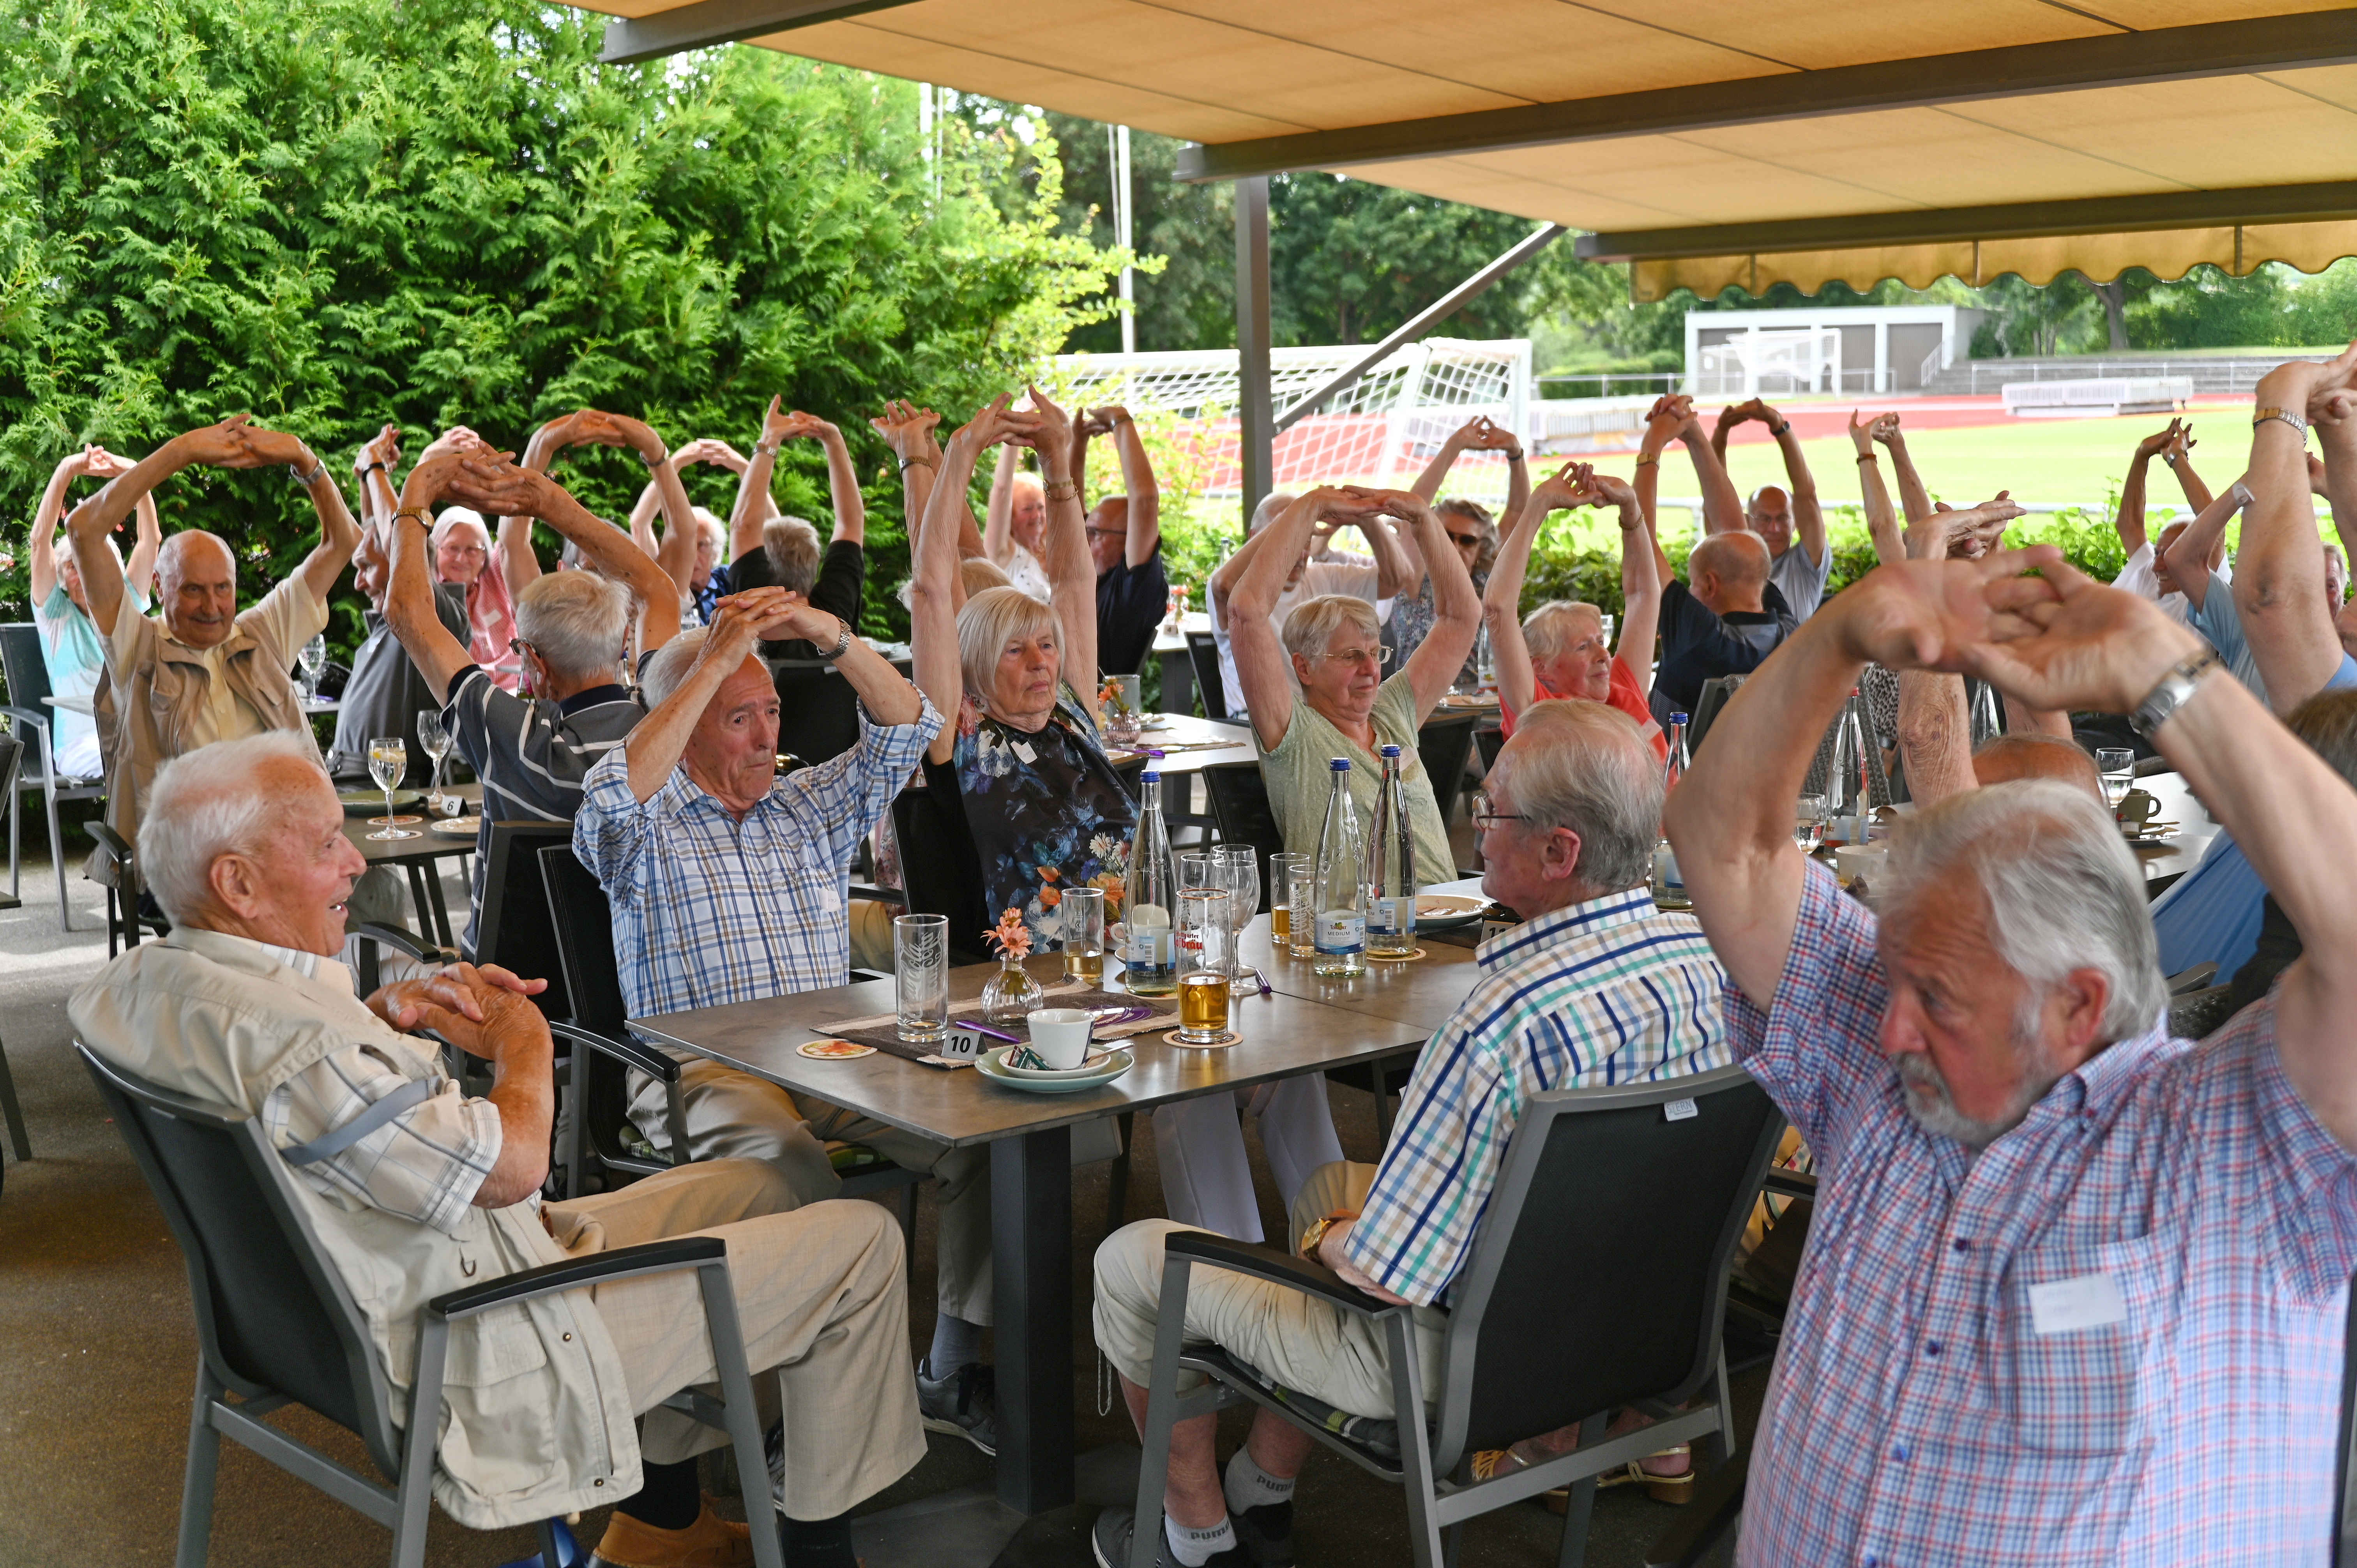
[1022, 748]
[1680, 1110]
[2065, 1307]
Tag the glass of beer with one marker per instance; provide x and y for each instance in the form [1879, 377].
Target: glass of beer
[1280, 899]
[1205, 943]
[1082, 911]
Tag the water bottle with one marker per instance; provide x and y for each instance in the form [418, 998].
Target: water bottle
[1669, 887]
[1848, 798]
[1149, 959]
[1988, 715]
[1341, 930]
[1391, 867]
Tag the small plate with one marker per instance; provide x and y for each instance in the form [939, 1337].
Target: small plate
[989, 1066]
[457, 827]
[1447, 911]
[362, 802]
[834, 1050]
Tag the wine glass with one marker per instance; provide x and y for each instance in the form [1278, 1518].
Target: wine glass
[1238, 868]
[388, 758]
[436, 742]
[313, 659]
[1809, 822]
[2118, 765]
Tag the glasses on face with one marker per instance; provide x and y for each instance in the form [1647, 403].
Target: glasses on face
[1097, 533]
[518, 645]
[1378, 656]
[464, 550]
[1483, 815]
[1465, 541]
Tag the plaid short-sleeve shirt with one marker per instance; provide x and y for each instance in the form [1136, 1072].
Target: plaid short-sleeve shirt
[2112, 1337]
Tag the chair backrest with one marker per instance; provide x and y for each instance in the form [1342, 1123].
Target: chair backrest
[1240, 805]
[583, 923]
[21, 662]
[818, 713]
[1203, 653]
[1443, 745]
[512, 928]
[1489, 742]
[2344, 1491]
[1707, 703]
[272, 1314]
[1598, 1276]
[940, 870]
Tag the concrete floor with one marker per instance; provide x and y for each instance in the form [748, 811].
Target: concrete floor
[100, 1354]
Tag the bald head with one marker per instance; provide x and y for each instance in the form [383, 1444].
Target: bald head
[1769, 514]
[2011, 757]
[1730, 571]
[196, 577]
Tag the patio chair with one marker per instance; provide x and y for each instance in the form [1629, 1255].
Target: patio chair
[27, 674]
[276, 1325]
[1645, 1185]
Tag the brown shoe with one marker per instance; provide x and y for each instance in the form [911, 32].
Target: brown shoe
[710, 1542]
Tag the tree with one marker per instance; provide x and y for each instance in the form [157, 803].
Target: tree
[334, 213]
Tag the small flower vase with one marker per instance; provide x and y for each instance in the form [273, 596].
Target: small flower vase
[1010, 994]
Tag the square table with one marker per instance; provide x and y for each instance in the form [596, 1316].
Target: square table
[416, 857]
[1029, 1136]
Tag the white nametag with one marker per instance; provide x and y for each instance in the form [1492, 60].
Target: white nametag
[2090, 1301]
[1022, 748]
[829, 899]
[1680, 1110]
[961, 1044]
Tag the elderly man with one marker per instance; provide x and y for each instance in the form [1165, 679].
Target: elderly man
[2147, 572]
[729, 883]
[1724, 622]
[2075, 1291]
[417, 1191]
[1124, 533]
[530, 752]
[1594, 986]
[768, 551]
[1789, 521]
[202, 672]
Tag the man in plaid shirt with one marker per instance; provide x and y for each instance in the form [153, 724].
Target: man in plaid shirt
[2074, 1289]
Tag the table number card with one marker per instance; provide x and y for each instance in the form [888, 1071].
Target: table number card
[961, 1044]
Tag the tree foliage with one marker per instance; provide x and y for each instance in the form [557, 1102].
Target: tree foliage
[335, 213]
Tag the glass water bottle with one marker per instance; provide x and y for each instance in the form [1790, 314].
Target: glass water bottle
[1391, 867]
[1669, 887]
[1341, 885]
[1149, 900]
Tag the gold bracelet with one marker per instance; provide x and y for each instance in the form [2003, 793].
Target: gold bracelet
[1642, 459]
[1060, 489]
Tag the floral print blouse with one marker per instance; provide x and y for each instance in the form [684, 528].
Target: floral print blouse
[1047, 812]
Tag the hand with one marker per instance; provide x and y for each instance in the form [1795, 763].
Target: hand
[457, 438]
[907, 430]
[214, 445]
[1089, 423]
[717, 453]
[1361, 503]
[741, 619]
[492, 483]
[996, 423]
[1669, 415]
[2183, 443]
[1110, 415]
[1740, 413]
[478, 1010]
[2083, 645]
[2325, 389]
[1862, 436]
[1482, 435]
[1605, 489]
[2316, 475]
[2159, 440]
[238, 443]
[1886, 430]
[1923, 615]
[1052, 439]
[1561, 490]
[798, 427]
[382, 451]
[102, 464]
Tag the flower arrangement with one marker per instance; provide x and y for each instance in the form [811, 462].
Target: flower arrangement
[1114, 696]
[1010, 936]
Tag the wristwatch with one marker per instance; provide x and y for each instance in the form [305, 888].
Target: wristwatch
[2295, 420]
[841, 643]
[1316, 1234]
[2176, 689]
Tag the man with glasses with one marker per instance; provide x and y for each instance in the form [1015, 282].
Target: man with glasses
[1125, 543]
[1789, 521]
[1594, 987]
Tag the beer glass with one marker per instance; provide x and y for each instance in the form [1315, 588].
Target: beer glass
[1205, 942]
[1081, 910]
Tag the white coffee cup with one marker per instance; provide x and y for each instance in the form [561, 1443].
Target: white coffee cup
[1061, 1035]
[1854, 861]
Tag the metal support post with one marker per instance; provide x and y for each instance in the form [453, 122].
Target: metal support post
[1254, 406]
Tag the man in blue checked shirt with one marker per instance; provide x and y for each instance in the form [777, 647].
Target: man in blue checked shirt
[2075, 1290]
[1596, 987]
[729, 883]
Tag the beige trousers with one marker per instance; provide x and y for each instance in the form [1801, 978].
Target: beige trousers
[735, 1115]
[820, 1300]
[1293, 1338]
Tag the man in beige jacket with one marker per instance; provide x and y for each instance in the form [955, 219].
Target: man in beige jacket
[416, 1190]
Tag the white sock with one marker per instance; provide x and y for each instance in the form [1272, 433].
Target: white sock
[1248, 1486]
[1193, 1548]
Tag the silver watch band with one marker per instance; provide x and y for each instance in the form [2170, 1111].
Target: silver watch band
[2174, 691]
[841, 643]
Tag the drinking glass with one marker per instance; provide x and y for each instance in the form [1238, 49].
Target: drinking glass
[312, 659]
[1280, 898]
[1082, 911]
[436, 742]
[920, 973]
[1301, 893]
[1239, 873]
[1206, 943]
[1809, 822]
[388, 758]
[1197, 868]
[2118, 765]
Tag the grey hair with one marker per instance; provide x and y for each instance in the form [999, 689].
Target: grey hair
[1547, 628]
[792, 545]
[206, 803]
[1587, 767]
[992, 618]
[576, 621]
[1314, 622]
[666, 672]
[452, 517]
[975, 572]
[707, 521]
[2064, 892]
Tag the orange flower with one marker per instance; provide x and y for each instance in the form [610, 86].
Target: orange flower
[1010, 936]
[1050, 897]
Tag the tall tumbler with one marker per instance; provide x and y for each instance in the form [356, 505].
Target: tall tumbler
[1082, 914]
[920, 965]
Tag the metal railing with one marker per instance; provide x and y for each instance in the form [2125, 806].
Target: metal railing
[1616, 383]
[2208, 373]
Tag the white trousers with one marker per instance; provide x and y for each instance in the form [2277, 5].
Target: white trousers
[1199, 1145]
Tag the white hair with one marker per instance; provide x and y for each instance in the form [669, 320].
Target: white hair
[666, 672]
[1272, 507]
[452, 518]
[1548, 630]
[211, 802]
[1314, 621]
[2063, 891]
[577, 620]
[792, 544]
[1586, 767]
[995, 617]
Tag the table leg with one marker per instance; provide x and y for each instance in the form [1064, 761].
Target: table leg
[441, 909]
[1031, 1295]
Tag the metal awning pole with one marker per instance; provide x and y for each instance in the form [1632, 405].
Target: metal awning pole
[1254, 403]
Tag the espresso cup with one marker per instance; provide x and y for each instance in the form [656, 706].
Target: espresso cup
[1060, 1035]
[2137, 807]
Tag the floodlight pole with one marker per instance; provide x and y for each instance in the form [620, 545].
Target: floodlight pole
[1123, 227]
[1256, 454]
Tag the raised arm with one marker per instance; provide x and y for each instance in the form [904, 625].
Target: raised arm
[908, 431]
[720, 455]
[2129, 521]
[1138, 484]
[642, 520]
[486, 481]
[1912, 497]
[2336, 437]
[1881, 523]
[1641, 578]
[1808, 517]
[339, 534]
[2178, 456]
[935, 592]
[2279, 585]
[1722, 508]
[518, 559]
[1457, 608]
[1072, 572]
[1230, 571]
[146, 544]
[1501, 600]
[1935, 726]
[842, 482]
[40, 542]
[998, 530]
[409, 607]
[1262, 667]
[1389, 548]
[2188, 558]
[373, 471]
[676, 555]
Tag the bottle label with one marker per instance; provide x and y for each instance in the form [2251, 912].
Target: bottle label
[1393, 917]
[1665, 869]
[1148, 947]
[1341, 931]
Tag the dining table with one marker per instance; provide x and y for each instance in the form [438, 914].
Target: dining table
[1301, 1024]
[416, 857]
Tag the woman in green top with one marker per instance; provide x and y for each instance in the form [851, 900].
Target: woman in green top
[1315, 686]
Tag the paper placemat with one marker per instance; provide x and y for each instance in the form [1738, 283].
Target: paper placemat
[882, 1030]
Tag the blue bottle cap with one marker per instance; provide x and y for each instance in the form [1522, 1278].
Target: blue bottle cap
[1338, 764]
[1390, 751]
[1149, 776]
[1677, 718]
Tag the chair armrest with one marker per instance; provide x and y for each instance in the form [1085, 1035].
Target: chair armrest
[596, 1268]
[109, 843]
[1275, 1265]
[1789, 1184]
[1716, 1504]
[629, 1053]
[402, 941]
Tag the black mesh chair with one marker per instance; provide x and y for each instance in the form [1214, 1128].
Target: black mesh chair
[818, 713]
[275, 1324]
[1443, 745]
[1203, 653]
[513, 928]
[1646, 1185]
[27, 674]
[2344, 1530]
[1240, 805]
[123, 920]
[940, 870]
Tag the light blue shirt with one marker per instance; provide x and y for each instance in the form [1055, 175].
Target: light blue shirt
[76, 657]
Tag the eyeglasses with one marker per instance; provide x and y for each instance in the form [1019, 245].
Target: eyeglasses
[1465, 541]
[1483, 816]
[1378, 656]
[464, 550]
[518, 645]
[1106, 532]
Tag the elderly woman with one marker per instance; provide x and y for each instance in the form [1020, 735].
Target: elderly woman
[70, 646]
[1560, 651]
[1471, 531]
[463, 555]
[1015, 534]
[1332, 647]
